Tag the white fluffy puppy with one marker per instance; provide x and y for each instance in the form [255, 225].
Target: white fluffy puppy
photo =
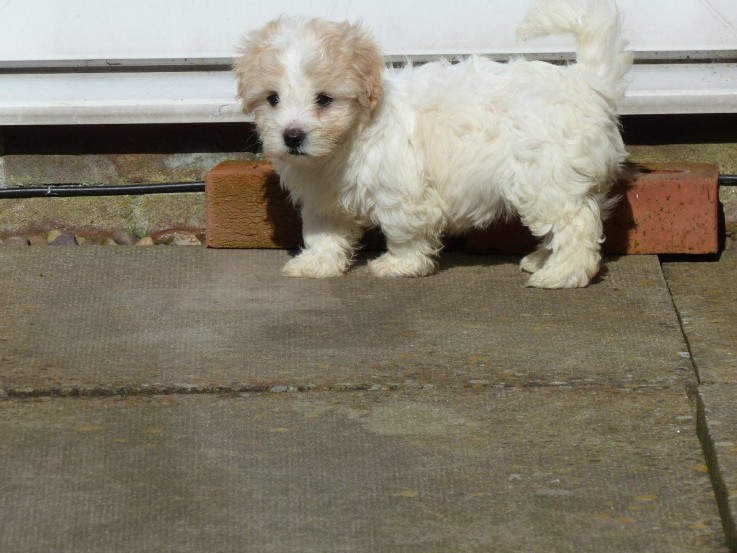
[441, 148]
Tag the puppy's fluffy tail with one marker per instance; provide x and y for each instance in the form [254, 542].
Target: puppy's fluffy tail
[597, 26]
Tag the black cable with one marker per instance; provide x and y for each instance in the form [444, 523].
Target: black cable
[75, 190]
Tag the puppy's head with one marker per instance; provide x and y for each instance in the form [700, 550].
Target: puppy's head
[308, 83]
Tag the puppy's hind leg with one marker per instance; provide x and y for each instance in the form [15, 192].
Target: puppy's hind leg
[575, 242]
[329, 245]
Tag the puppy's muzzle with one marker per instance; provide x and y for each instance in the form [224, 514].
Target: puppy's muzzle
[294, 139]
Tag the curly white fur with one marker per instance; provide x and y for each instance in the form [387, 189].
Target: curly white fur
[441, 148]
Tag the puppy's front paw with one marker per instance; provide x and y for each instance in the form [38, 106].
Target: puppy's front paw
[534, 262]
[572, 271]
[558, 277]
[390, 265]
[311, 265]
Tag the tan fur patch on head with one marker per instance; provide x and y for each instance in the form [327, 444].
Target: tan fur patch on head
[351, 55]
[248, 69]
[342, 55]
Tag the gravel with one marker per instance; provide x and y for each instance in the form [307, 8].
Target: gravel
[64, 239]
[120, 237]
[124, 238]
[16, 241]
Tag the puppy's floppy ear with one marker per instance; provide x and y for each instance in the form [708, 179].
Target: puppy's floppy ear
[350, 54]
[368, 64]
[248, 68]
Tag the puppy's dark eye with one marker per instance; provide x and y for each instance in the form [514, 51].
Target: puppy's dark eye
[323, 100]
[273, 99]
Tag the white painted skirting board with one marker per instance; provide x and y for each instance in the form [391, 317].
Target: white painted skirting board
[200, 96]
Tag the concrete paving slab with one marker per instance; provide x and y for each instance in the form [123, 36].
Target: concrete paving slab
[718, 431]
[123, 320]
[563, 469]
[705, 293]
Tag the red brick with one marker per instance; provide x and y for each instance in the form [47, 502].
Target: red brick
[665, 208]
[247, 208]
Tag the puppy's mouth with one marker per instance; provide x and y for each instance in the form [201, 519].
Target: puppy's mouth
[298, 153]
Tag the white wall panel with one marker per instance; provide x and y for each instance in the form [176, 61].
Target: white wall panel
[150, 31]
[80, 33]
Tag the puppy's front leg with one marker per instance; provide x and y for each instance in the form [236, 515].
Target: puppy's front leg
[329, 244]
[404, 260]
[411, 258]
[413, 238]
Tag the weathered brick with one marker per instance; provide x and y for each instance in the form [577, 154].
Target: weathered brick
[665, 208]
[246, 208]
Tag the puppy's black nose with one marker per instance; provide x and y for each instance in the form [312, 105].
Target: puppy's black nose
[294, 138]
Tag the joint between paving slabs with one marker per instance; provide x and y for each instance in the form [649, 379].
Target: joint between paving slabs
[721, 491]
[249, 389]
[719, 486]
[681, 324]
